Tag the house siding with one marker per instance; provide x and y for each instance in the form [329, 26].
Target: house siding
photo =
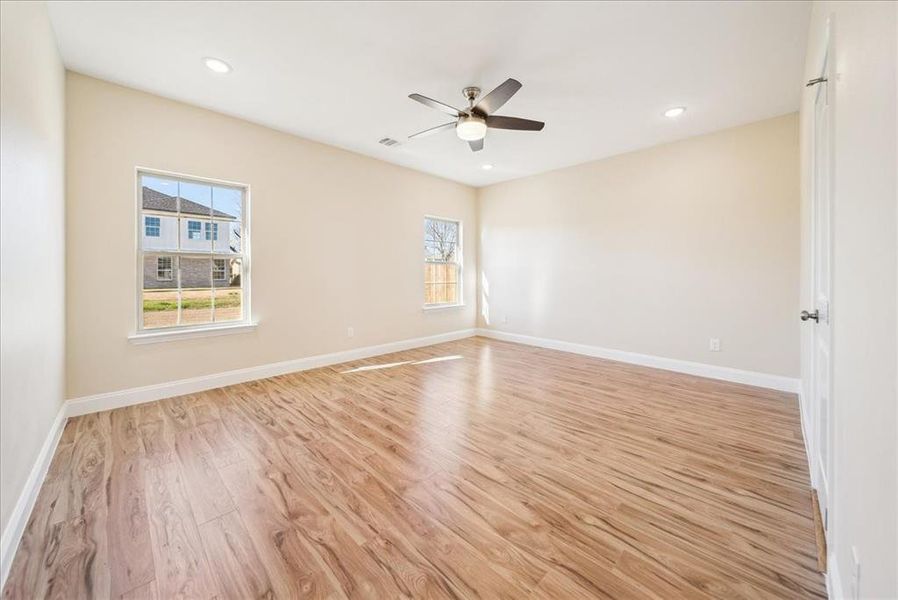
[171, 228]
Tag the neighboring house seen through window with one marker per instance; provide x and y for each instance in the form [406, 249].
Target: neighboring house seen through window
[442, 262]
[192, 253]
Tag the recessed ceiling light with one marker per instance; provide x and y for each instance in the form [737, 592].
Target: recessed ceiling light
[217, 65]
[676, 111]
[486, 167]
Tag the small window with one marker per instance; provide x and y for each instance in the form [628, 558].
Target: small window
[152, 226]
[211, 231]
[164, 268]
[442, 262]
[194, 230]
[219, 269]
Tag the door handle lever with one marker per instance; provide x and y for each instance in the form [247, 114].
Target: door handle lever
[807, 316]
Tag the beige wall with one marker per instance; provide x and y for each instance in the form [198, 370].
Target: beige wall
[864, 477]
[655, 251]
[336, 239]
[32, 234]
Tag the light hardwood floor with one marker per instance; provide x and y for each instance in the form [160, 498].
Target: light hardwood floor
[472, 469]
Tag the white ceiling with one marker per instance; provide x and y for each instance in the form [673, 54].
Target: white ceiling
[598, 74]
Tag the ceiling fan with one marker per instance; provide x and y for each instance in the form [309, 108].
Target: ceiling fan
[471, 124]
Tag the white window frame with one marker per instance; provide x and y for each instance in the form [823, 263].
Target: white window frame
[459, 261]
[158, 334]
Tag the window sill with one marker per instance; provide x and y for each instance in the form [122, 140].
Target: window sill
[442, 306]
[154, 337]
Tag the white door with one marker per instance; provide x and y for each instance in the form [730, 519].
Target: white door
[819, 315]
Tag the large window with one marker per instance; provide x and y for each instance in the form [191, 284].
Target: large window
[442, 262]
[193, 255]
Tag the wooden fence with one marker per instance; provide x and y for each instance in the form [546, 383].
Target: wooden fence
[440, 283]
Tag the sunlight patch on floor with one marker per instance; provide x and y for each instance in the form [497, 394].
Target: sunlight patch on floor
[404, 362]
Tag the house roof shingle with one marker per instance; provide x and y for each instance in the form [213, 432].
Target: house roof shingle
[156, 200]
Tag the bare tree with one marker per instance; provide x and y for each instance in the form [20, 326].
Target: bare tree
[441, 238]
[235, 241]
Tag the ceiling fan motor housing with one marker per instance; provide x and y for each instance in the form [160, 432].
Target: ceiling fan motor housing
[471, 94]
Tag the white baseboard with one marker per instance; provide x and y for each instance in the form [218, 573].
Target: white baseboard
[765, 380]
[139, 395]
[15, 527]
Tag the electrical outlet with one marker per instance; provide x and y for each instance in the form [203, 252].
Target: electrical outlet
[855, 586]
[714, 345]
[350, 332]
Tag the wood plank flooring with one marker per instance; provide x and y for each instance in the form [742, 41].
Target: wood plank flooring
[472, 469]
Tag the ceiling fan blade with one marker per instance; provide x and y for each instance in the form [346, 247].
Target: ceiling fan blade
[497, 122]
[499, 96]
[476, 145]
[436, 104]
[432, 130]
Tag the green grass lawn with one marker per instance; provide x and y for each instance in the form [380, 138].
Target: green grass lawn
[231, 300]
